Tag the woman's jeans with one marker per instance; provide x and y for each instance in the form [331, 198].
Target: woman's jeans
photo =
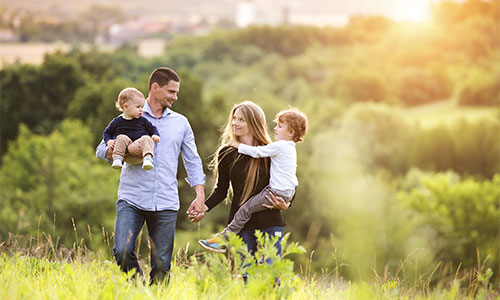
[161, 229]
[248, 237]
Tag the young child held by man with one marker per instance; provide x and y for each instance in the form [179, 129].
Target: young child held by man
[291, 128]
[131, 127]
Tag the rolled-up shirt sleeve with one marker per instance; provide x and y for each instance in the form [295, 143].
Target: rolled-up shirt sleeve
[100, 151]
[191, 159]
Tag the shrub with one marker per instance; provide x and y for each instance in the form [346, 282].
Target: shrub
[482, 87]
[421, 86]
[462, 214]
[363, 85]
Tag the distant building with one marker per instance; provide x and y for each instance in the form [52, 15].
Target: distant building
[245, 13]
[319, 19]
[135, 28]
[7, 35]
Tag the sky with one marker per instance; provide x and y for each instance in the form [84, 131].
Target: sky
[399, 10]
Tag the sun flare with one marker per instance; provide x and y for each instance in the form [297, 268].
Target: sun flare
[412, 11]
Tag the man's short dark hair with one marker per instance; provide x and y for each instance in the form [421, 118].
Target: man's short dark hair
[162, 76]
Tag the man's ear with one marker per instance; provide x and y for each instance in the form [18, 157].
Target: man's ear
[291, 132]
[125, 106]
[154, 86]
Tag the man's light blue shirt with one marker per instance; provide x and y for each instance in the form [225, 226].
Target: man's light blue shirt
[156, 189]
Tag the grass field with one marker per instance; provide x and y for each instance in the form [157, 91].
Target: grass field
[45, 272]
[23, 277]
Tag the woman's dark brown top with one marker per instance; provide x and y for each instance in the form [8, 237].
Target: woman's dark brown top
[235, 174]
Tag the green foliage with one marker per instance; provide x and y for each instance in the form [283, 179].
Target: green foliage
[262, 276]
[31, 30]
[90, 277]
[462, 214]
[37, 97]
[466, 147]
[362, 85]
[368, 28]
[418, 87]
[49, 181]
[380, 135]
[482, 87]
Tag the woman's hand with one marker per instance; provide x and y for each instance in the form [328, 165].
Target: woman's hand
[196, 211]
[276, 202]
[196, 217]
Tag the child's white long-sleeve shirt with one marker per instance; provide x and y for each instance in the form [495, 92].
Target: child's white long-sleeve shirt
[283, 162]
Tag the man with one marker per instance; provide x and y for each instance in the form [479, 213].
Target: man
[151, 196]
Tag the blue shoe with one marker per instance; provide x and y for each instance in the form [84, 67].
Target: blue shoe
[213, 245]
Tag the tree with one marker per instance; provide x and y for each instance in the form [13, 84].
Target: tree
[37, 96]
[49, 180]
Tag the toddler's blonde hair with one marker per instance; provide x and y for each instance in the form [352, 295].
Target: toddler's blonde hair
[126, 95]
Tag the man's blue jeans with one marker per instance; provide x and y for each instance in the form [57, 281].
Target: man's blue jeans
[161, 229]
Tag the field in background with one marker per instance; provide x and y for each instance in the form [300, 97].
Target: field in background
[33, 53]
[448, 112]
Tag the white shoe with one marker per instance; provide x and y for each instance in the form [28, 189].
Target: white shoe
[117, 164]
[147, 164]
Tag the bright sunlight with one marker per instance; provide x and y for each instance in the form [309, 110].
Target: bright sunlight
[411, 11]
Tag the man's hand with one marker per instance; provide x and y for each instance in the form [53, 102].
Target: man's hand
[276, 202]
[195, 218]
[111, 144]
[197, 209]
[155, 138]
[234, 143]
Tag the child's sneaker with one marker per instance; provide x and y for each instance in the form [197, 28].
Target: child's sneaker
[117, 163]
[147, 163]
[213, 244]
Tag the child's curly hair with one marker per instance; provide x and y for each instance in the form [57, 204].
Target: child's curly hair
[126, 95]
[296, 121]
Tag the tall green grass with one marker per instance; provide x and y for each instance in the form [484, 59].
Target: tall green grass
[32, 268]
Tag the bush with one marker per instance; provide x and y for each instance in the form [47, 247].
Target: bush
[482, 87]
[363, 85]
[462, 214]
[467, 147]
[421, 86]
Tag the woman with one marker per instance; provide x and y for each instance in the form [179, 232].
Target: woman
[246, 175]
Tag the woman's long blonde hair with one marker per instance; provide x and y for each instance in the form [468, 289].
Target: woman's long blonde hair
[256, 121]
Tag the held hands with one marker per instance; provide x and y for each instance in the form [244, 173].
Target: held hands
[155, 138]
[196, 211]
[234, 143]
[111, 144]
[276, 202]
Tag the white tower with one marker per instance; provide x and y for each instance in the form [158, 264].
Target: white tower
[245, 13]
